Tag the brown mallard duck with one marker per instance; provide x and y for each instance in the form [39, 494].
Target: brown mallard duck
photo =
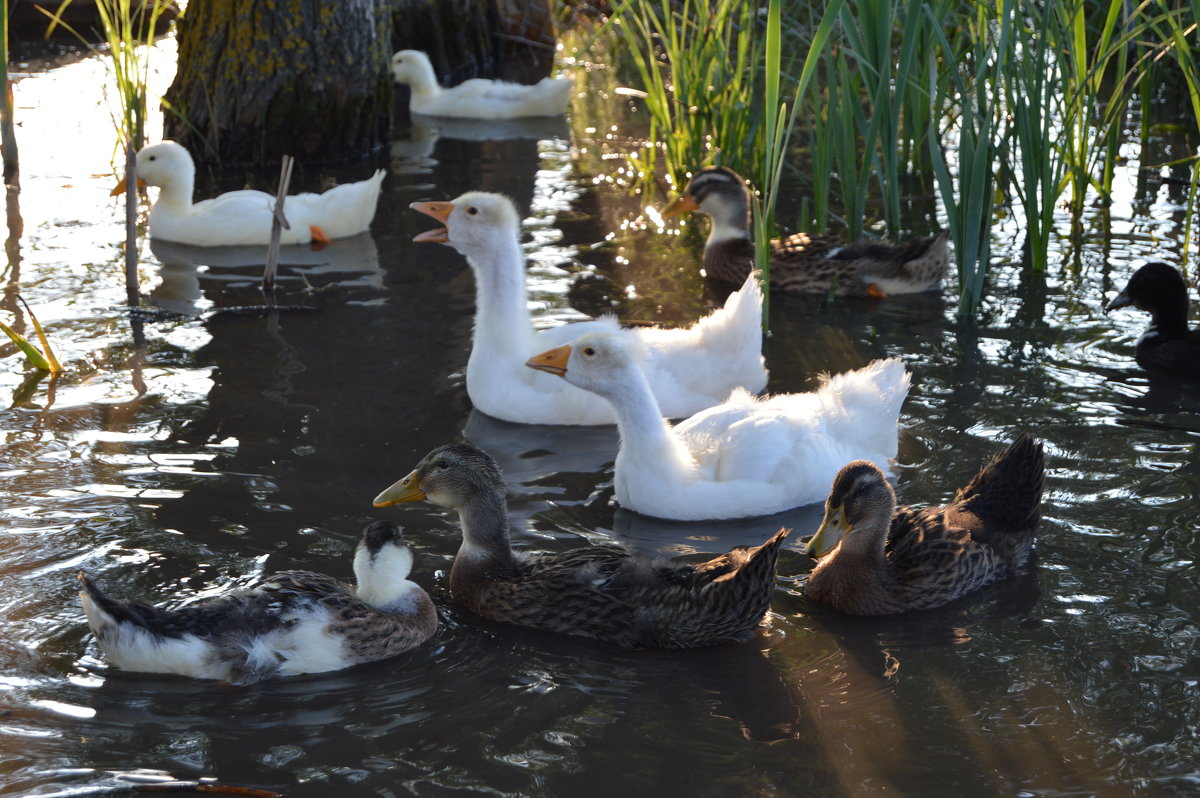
[599, 592]
[877, 559]
[1167, 345]
[805, 263]
[289, 623]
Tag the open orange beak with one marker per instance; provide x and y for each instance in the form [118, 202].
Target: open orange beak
[680, 204]
[120, 188]
[439, 211]
[553, 361]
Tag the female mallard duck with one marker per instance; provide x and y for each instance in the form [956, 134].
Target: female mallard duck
[1167, 345]
[291, 623]
[599, 592]
[689, 369]
[745, 457]
[877, 559]
[805, 263]
[477, 98]
[244, 217]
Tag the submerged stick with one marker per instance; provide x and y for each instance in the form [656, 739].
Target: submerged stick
[131, 248]
[279, 223]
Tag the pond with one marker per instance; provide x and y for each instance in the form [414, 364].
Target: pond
[229, 446]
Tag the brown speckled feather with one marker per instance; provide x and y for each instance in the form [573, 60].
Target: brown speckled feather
[935, 555]
[607, 594]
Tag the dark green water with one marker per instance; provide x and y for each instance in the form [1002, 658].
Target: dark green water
[258, 443]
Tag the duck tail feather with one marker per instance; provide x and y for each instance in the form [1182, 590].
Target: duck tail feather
[1008, 490]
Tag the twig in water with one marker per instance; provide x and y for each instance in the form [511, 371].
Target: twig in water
[279, 223]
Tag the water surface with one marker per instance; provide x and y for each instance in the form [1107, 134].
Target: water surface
[229, 446]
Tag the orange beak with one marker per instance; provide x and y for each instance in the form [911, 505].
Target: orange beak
[683, 202]
[553, 361]
[120, 188]
[439, 211]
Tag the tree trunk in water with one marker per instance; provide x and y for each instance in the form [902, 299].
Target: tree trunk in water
[258, 79]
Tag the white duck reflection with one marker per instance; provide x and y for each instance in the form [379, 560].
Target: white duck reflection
[350, 262]
[413, 154]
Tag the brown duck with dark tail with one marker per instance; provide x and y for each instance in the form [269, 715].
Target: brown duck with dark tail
[877, 559]
[598, 591]
[805, 263]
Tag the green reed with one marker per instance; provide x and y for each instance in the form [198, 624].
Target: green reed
[697, 61]
[1173, 28]
[1013, 100]
[779, 123]
[968, 193]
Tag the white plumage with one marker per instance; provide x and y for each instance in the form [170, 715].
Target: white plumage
[745, 457]
[688, 369]
[477, 98]
[244, 217]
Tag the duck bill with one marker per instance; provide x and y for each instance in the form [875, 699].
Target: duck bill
[406, 490]
[680, 204]
[833, 528]
[1121, 300]
[441, 212]
[122, 185]
[552, 361]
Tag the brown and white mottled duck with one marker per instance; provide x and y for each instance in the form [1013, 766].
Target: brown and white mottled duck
[877, 559]
[288, 623]
[805, 263]
[599, 592]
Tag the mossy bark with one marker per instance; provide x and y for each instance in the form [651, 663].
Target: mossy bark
[258, 79]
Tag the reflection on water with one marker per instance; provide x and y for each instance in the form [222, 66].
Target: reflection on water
[258, 442]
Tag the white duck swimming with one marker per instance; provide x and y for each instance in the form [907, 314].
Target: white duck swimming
[244, 217]
[477, 98]
[688, 369]
[290, 623]
[748, 456]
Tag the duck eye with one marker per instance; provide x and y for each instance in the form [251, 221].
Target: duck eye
[589, 351]
[472, 210]
[152, 157]
[441, 464]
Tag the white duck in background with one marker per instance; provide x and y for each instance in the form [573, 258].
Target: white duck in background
[477, 98]
[290, 623]
[748, 456]
[687, 369]
[244, 217]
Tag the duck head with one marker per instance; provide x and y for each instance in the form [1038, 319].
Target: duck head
[719, 192]
[453, 476]
[1157, 288]
[413, 68]
[163, 164]
[858, 511]
[597, 362]
[476, 223]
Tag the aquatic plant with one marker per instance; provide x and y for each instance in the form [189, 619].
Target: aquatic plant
[779, 123]
[43, 360]
[129, 30]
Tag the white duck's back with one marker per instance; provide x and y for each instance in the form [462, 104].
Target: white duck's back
[244, 217]
[477, 98]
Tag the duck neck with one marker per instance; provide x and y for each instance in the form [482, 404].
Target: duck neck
[730, 217]
[177, 193]
[502, 320]
[485, 549]
[1170, 321]
[382, 579]
[645, 435]
[424, 83]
